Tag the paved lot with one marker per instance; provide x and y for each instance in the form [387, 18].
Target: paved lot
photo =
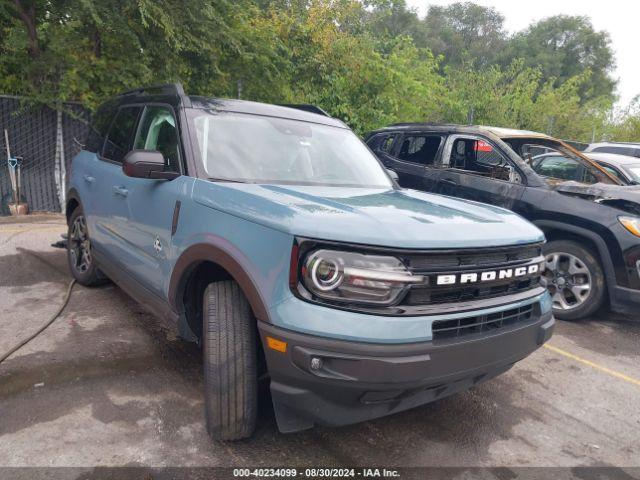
[108, 384]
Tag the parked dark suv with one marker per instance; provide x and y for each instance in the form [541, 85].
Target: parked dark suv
[591, 222]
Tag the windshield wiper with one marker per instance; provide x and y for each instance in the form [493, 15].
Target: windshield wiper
[220, 179]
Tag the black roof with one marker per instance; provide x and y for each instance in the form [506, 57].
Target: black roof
[174, 95]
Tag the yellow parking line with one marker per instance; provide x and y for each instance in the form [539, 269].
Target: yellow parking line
[591, 364]
[35, 229]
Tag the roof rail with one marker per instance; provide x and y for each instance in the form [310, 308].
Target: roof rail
[163, 89]
[430, 124]
[306, 107]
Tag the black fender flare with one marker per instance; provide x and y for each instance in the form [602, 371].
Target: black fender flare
[601, 245]
[208, 252]
[72, 195]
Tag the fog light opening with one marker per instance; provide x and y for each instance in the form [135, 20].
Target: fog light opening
[315, 364]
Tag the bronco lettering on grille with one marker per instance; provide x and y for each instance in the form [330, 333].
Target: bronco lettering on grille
[487, 276]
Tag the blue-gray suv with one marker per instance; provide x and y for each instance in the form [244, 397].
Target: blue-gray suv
[273, 237]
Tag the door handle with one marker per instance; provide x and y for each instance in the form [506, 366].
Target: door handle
[123, 192]
[89, 178]
[449, 183]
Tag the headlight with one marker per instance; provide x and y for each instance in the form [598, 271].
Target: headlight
[354, 277]
[632, 224]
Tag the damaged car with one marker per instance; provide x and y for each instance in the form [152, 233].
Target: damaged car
[591, 220]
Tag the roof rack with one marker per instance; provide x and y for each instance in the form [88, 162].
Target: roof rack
[432, 124]
[163, 89]
[306, 107]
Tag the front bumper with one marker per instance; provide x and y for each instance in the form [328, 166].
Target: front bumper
[357, 381]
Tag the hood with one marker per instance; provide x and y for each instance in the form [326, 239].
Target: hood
[382, 217]
[624, 198]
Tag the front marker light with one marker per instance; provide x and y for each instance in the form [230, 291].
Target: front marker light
[632, 224]
[358, 278]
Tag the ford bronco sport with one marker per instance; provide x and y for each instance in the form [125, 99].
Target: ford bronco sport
[591, 221]
[274, 237]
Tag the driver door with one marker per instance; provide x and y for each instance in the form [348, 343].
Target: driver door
[153, 204]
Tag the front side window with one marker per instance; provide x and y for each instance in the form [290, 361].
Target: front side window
[479, 157]
[121, 134]
[261, 149]
[158, 132]
[562, 168]
[421, 149]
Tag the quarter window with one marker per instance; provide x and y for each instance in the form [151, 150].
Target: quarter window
[158, 132]
[120, 134]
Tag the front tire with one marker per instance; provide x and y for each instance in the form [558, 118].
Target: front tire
[575, 280]
[230, 362]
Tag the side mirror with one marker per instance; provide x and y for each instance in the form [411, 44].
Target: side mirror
[393, 175]
[146, 164]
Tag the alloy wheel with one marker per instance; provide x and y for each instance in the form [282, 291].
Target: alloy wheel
[568, 280]
[79, 245]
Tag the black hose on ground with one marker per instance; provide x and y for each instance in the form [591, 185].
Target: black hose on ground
[44, 327]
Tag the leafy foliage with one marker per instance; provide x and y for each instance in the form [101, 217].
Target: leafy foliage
[370, 63]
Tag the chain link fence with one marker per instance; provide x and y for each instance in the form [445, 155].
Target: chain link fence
[47, 140]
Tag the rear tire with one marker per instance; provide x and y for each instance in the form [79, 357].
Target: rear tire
[576, 283]
[230, 362]
[79, 252]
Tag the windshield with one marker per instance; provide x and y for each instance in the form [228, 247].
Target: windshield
[260, 149]
[634, 172]
[558, 163]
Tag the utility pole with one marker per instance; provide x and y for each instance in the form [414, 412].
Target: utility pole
[470, 115]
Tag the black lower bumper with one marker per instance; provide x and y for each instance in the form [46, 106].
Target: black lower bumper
[625, 300]
[335, 382]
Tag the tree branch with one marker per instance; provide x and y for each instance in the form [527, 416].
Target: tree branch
[28, 18]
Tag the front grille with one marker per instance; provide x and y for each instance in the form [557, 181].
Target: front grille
[479, 258]
[455, 263]
[444, 329]
[423, 296]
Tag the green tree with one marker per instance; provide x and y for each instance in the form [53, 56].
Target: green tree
[565, 46]
[465, 33]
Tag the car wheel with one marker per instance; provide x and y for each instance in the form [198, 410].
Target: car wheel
[230, 362]
[574, 278]
[79, 252]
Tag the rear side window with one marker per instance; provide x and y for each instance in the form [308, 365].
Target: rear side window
[158, 132]
[99, 125]
[121, 134]
[421, 149]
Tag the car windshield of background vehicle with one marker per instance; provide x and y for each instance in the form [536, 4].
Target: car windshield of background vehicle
[555, 161]
[260, 149]
[634, 171]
